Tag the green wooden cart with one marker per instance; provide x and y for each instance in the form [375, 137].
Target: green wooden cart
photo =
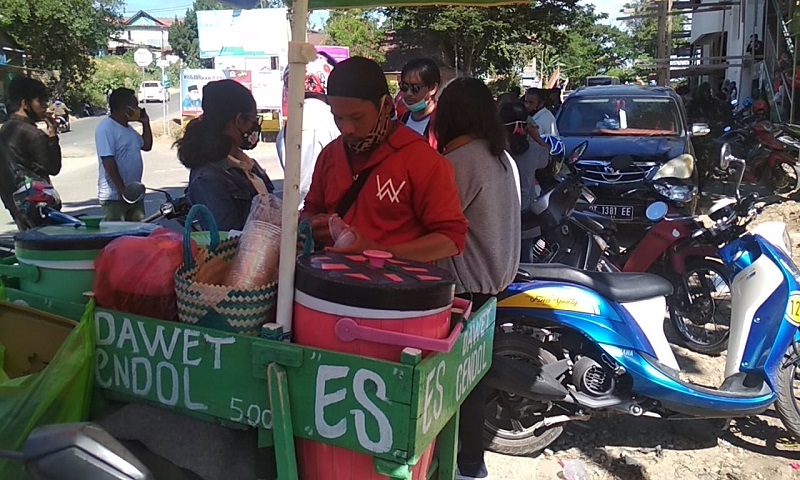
[390, 411]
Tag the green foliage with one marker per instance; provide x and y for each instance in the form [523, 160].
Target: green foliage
[61, 35]
[643, 28]
[594, 48]
[495, 39]
[109, 73]
[357, 29]
[183, 35]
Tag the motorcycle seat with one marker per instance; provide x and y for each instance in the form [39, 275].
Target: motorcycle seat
[619, 287]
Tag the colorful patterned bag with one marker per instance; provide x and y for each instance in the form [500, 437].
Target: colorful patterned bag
[204, 301]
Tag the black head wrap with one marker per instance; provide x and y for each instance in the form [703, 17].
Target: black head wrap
[358, 77]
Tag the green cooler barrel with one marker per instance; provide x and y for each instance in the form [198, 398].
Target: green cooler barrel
[57, 261]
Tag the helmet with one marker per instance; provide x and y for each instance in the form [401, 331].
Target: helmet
[760, 107]
[747, 102]
[556, 145]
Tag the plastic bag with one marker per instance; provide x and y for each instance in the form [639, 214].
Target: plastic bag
[58, 393]
[137, 274]
[266, 208]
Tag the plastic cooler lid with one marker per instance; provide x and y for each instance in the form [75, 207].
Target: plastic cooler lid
[68, 237]
[352, 280]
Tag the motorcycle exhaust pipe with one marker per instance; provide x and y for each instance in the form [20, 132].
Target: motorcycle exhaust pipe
[523, 379]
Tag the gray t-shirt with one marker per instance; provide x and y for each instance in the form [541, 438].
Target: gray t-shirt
[488, 190]
[125, 145]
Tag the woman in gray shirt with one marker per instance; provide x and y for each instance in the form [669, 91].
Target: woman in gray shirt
[471, 136]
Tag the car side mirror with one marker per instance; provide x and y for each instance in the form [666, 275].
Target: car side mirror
[700, 130]
[80, 450]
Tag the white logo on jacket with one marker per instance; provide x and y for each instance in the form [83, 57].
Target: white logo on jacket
[387, 189]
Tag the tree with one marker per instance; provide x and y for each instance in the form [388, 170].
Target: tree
[357, 29]
[493, 39]
[61, 35]
[594, 48]
[642, 26]
[183, 36]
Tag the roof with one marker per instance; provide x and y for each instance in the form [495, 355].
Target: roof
[144, 19]
[615, 90]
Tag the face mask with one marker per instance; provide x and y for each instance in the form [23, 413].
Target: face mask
[251, 137]
[378, 132]
[519, 127]
[417, 107]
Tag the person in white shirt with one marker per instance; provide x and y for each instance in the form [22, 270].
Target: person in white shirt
[319, 129]
[535, 103]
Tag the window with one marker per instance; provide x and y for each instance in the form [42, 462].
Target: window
[622, 115]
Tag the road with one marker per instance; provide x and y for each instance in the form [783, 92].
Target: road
[80, 140]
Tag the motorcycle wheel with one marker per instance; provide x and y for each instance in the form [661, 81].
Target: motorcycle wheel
[509, 419]
[710, 307]
[784, 179]
[788, 402]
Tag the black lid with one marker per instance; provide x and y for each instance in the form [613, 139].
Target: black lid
[350, 280]
[69, 237]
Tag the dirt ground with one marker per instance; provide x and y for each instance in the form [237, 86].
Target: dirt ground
[628, 448]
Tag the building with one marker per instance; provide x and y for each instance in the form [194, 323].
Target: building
[141, 30]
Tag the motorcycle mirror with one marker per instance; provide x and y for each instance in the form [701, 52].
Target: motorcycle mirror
[656, 211]
[725, 156]
[80, 450]
[577, 153]
[134, 192]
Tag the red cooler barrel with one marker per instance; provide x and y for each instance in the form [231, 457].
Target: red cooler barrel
[377, 292]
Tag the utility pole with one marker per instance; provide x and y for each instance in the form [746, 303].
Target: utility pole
[664, 41]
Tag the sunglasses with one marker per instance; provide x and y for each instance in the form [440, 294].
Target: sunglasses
[405, 87]
[258, 119]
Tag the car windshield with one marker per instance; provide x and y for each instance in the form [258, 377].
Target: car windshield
[620, 115]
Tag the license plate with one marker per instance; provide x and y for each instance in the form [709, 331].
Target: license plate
[621, 212]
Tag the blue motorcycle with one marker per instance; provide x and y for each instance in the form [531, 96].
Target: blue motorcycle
[574, 343]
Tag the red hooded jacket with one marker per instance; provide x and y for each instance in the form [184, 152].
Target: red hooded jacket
[411, 192]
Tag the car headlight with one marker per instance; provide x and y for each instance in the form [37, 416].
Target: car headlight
[679, 167]
[675, 192]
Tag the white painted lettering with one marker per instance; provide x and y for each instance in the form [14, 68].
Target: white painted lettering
[159, 342]
[426, 406]
[187, 394]
[173, 398]
[322, 400]
[146, 380]
[101, 362]
[126, 334]
[385, 434]
[190, 340]
[437, 407]
[107, 319]
[218, 342]
[122, 372]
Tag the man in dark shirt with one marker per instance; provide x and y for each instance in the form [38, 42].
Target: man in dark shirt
[26, 153]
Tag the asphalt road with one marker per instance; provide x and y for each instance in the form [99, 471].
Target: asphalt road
[80, 139]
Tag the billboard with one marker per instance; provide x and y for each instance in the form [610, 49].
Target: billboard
[249, 33]
[193, 81]
[337, 53]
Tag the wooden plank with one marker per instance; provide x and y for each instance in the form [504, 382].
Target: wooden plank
[441, 382]
[284, 434]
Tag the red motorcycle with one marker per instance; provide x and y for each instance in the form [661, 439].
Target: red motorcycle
[768, 160]
[700, 305]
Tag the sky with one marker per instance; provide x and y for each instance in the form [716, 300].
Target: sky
[172, 8]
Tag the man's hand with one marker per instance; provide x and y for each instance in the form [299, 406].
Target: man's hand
[360, 244]
[52, 125]
[144, 118]
[320, 229]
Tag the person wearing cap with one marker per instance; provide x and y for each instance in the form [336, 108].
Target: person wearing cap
[319, 129]
[384, 180]
[222, 177]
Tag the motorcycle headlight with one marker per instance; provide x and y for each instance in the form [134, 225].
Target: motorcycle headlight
[675, 192]
[679, 167]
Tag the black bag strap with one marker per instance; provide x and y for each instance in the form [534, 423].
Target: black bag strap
[352, 193]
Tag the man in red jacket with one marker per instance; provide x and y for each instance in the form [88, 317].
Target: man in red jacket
[394, 191]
